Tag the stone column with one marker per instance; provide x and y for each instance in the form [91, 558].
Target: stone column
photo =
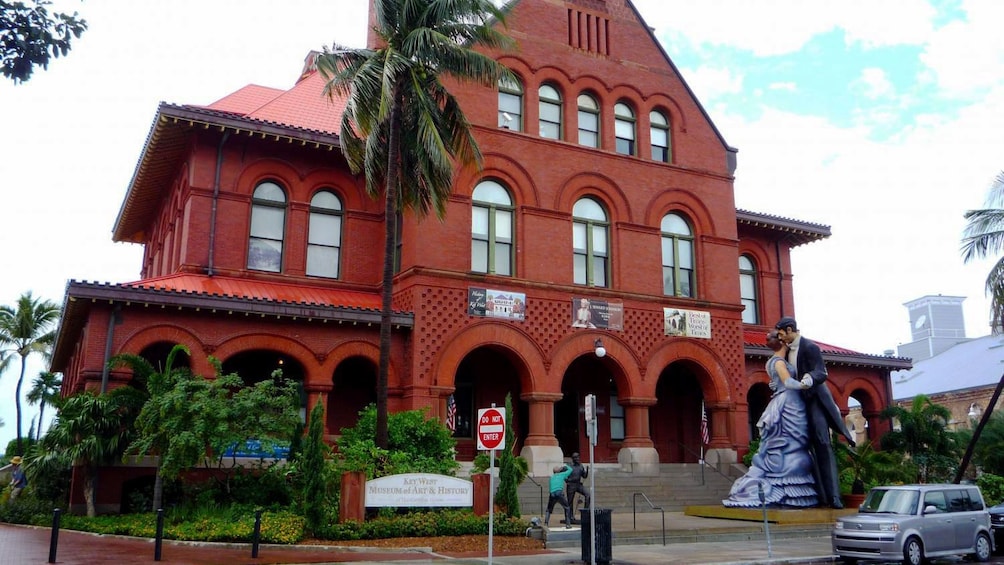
[541, 449]
[638, 454]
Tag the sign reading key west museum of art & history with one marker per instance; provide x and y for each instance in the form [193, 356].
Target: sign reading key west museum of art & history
[419, 489]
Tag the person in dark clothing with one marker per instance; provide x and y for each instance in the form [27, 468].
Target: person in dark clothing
[573, 485]
[821, 410]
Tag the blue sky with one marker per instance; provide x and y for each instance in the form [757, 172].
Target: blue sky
[883, 120]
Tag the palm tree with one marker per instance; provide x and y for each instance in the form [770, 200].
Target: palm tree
[90, 430]
[401, 126]
[44, 390]
[924, 436]
[26, 329]
[982, 238]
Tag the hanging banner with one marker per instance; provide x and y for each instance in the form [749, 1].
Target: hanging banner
[598, 314]
[687, 323]
[491, 303]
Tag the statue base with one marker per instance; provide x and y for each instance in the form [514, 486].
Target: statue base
[817, 515]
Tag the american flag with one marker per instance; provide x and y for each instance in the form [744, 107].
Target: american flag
[705, 436]
[451, 414]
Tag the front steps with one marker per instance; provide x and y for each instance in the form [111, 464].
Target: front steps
[674, 488]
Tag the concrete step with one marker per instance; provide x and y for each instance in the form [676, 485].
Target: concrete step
[674, 488]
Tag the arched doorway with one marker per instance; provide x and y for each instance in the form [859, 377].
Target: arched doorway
[257, 365]
[757, 399]
[353, 388]
[675, 420]
[156, 354]
[485, 376]
[589, 375]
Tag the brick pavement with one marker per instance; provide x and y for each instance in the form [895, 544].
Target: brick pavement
[27, 545]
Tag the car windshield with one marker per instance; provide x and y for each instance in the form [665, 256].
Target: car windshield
[891, 501]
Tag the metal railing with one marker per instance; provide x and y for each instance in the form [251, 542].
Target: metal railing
[541, 489]
[634, 512]
[703, 462]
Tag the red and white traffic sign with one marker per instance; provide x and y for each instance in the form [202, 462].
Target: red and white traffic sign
[491, 429]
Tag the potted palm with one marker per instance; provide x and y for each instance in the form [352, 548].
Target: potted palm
[860, 468]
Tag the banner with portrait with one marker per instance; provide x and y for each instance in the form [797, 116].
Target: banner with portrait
[491, 303]
[598, 314]
[687, 323]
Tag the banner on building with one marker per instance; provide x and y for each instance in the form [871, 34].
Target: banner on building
[492, 303]
[687, 323]
[599, 314]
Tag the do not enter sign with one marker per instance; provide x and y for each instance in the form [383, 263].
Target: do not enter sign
[491, 429]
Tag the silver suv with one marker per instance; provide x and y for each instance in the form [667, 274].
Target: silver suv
[914, 523]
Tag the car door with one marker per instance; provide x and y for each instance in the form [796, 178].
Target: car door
[963, 519]
[938, 529]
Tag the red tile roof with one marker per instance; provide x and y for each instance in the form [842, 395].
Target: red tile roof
[757, 339]
[302, 106]
[229, 287]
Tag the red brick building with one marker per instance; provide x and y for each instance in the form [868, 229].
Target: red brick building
[604, 181]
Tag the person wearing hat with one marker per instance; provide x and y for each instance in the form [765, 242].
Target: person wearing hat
[822, 411]
[573, 485]
[18, 480]
[557, 489]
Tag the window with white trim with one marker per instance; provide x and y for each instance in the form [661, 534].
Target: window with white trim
[624, 128]
[492, 239]
[659, 136]
[589, 121]
[590, 246]
[550, 112]
[510, 104]
[324, 235]
[747, 289]
[268, 226]
[677, 256]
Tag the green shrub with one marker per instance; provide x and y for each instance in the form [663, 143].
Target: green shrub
[231, 525]
[992, 487]
[423, 524]
[417, 444]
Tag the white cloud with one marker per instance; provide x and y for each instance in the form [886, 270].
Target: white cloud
[874, 83]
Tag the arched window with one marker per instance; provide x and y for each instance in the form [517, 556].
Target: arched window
[624, 122]
[590, 248]
[492, 229]
[677, 257]
[550, 112]
[589, 121]
[747, 289]
[268, 224]
[324, 236]
[510, 104]
[659, 133]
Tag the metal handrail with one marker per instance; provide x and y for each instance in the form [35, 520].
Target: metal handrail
[634, 513]
[541, 489]
[703, 462]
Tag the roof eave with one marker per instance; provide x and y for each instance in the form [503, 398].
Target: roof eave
[169, 133]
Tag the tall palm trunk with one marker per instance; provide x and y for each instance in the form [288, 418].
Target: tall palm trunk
[17, 404]
[90, 480]
[390, 219]
[41, 413]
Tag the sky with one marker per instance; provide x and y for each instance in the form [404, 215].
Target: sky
[882, 120]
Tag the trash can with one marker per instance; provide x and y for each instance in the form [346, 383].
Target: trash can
[604, 536]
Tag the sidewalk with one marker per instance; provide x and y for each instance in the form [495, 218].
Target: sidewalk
[720, 542]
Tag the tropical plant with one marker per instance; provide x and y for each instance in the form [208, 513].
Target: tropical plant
[988, 453]
[983, 238]
[923, 435]
[187, 419]
[417, 445]
[863, 467]
[401, 126]
[26, 328]
[90, 430]
[30, 36]
[44, 390]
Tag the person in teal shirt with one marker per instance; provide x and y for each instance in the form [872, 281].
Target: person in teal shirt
[557, 488]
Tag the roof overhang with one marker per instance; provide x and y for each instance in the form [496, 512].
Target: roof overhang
[81, 297]
[166, 145]
[795, 232]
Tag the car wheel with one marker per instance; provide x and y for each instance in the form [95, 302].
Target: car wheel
[982, 548]
[849, 560]
[913, 552]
